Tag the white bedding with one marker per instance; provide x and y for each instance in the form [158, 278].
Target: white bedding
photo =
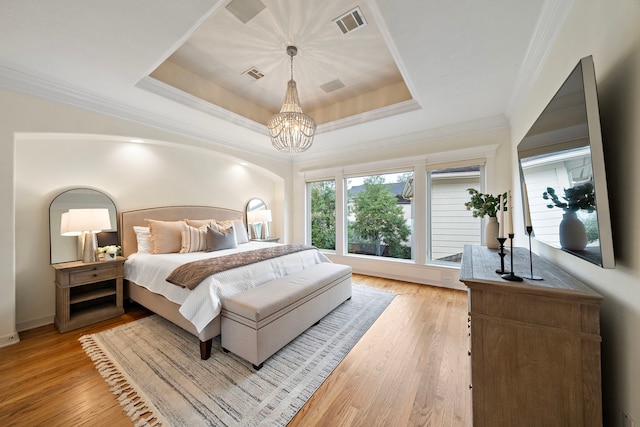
[202, 304]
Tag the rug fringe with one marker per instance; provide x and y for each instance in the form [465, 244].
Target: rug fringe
[129, 398]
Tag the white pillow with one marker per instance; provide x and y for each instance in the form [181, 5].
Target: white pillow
[241, 231]
[143, 236]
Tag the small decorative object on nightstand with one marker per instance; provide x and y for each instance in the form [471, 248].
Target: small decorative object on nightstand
[87, 293]
[268, 239]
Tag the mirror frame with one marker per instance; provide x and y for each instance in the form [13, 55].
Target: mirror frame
[61, 248]
[570, 122]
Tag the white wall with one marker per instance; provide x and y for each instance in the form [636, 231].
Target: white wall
[610, 31]
[36, 165]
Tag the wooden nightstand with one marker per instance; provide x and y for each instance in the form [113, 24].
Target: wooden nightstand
[87, 293]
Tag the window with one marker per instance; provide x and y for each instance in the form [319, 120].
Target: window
[379, 215]
[323, 214]
[389, 214]
[451, 225]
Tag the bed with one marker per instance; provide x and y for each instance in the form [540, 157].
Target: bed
[170, 301]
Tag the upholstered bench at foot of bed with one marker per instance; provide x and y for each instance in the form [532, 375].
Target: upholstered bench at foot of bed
[258, 322]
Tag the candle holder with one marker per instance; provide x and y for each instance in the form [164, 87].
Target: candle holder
[501, 241]
[531, 276]
[511, 276]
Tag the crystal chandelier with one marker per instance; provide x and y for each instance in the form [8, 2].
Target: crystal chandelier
[291, 130]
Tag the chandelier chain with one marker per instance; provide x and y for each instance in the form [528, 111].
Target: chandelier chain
[291, 66]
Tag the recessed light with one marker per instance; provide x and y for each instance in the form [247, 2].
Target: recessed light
[136, 140]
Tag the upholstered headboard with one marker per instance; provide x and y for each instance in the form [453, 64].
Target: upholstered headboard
[167, 213]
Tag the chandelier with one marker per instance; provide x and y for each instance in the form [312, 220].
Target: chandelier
[291, 130]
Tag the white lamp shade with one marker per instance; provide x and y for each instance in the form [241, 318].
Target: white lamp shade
[64, 226]
[88, 220]
[251, 217]
[263, 215]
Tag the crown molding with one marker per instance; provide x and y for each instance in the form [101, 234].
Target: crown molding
[459, 129]
[169, 92]
[391, 45]
[42, 87]
[368, 116]
[552, 17]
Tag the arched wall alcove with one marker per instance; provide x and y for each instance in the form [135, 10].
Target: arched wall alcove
[135, 175]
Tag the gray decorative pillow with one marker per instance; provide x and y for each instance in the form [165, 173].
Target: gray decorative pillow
[217, 240]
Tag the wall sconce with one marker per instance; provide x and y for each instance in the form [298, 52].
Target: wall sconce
[85, 223]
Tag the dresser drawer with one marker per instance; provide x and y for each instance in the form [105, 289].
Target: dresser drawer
[94, 274]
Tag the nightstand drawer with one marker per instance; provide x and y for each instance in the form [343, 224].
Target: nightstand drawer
[94, 274]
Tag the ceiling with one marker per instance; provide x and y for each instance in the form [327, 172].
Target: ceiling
[417, 70]
[211, 64]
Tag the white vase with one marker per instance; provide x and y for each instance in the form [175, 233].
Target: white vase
[491, 233]
[573, 235]
[110, 256]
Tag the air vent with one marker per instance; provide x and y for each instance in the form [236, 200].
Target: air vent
[254, 74]
[245, 10]
[351, 21]
[332, 86]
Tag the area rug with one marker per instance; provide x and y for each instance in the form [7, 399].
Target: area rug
[154, 368]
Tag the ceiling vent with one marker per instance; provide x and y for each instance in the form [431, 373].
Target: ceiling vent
[254, 74]
[332, 86]
[245, 10]
[351, 21]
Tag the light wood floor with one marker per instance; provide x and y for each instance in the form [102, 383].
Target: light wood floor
[410, 369]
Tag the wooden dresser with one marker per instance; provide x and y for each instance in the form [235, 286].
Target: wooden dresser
[534, 345]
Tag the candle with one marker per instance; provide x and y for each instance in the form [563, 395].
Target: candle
[500, 218]
[510, 210]
[527, 212]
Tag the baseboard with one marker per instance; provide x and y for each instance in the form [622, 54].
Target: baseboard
[35, 323]
[443, 276]
[10, 339]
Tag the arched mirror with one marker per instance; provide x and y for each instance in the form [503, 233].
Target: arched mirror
[258, 218]
[65, 248]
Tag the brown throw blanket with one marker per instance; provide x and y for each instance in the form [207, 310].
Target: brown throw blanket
[190, 275]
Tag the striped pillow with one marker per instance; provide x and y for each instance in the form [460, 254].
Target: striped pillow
[193, 239]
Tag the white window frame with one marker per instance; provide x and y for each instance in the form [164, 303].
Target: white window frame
[481, 155]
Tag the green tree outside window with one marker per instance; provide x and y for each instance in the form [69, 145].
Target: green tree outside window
[379, 220]
[323, 214]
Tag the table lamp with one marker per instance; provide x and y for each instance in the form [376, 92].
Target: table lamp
[263, 217]
[85, 222]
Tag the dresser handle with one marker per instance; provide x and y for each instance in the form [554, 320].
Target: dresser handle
[469, 352]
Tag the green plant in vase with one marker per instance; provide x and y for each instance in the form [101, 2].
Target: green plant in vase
[580, 196]
[109, 253]
[484, 204]
[573, 235]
